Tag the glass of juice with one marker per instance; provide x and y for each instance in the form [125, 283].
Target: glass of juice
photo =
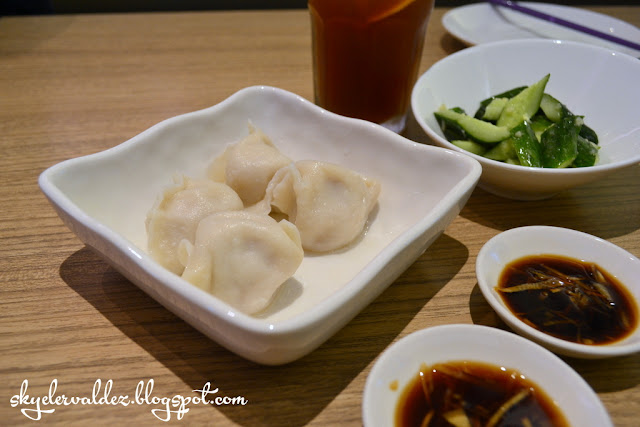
[366, 56]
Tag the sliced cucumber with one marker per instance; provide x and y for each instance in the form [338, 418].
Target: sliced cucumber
[478, 130]
[587, 153]
[553, 109]
[560, 143]
[507, 94]
[449, 126]
[524, 105]
[494, 109]
[540, 123]
[503, 151]
[470, 146]
[589, 134]
[512, 161]
[522, 126]
[526, 145]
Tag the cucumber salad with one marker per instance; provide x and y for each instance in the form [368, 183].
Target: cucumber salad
[522, 126]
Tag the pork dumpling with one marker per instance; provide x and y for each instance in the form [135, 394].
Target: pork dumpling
[330, 204]
[242, 258]
[248, 165]
[177, 213]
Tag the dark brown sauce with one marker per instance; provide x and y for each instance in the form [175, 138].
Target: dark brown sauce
[484, 394]
[569, 299]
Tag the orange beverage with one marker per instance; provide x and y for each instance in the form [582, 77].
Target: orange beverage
[366, 56]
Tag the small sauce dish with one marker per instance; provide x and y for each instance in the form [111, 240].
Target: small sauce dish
[522, 242]
[400, 363]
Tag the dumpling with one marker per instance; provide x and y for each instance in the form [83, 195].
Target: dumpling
[330, 204]
[248, 165]
[177, 213]
[242, 258]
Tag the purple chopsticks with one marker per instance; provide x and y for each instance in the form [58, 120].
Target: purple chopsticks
[541, 15]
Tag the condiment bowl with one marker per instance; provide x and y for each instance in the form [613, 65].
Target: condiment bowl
[399, 363]
[592, 81]
[542, 240]
[104, 198]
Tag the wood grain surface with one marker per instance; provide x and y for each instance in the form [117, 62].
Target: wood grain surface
[72, 85]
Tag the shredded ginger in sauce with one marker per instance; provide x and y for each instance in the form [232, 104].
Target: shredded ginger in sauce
[470, 393]
[569, 299]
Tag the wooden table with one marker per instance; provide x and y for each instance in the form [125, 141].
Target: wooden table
[75, 85]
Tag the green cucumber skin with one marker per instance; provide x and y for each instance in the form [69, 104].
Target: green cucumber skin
[475, 129]
[470, 146]
[526, 144]
[450, 128]
[589, 134]
[540, 130]
[502, 151]
[507, 94]
[560, 143]
[540, 123]
[587, 153]
[555, 110]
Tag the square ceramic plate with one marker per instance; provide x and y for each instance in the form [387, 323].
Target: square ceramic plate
[104, 199]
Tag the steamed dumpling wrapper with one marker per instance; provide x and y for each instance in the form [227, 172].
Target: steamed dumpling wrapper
[328, 203]
[242, 258]
[248, 165]
[176, 215]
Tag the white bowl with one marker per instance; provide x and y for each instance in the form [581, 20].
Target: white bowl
[536, 240]
[401, 362]
[104, 199]
[598, 83]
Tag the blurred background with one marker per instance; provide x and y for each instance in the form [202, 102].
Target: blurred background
[26, 7]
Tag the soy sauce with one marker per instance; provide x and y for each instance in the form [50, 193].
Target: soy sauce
[569, 299]
[482, 393]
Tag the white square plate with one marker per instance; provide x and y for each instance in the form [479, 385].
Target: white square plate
[104, 199]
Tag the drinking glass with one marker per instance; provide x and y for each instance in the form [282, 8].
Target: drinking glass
[366, 56]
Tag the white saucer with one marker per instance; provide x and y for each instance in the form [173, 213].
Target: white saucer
[519, 242]
[401, 362]
[480, 23]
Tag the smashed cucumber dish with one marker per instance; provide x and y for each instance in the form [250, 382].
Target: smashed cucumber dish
[522, 126]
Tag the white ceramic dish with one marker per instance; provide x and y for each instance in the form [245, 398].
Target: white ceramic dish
[401, 362]
[104, 199]
[600, 84]
[480, 23]
[534, 240]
